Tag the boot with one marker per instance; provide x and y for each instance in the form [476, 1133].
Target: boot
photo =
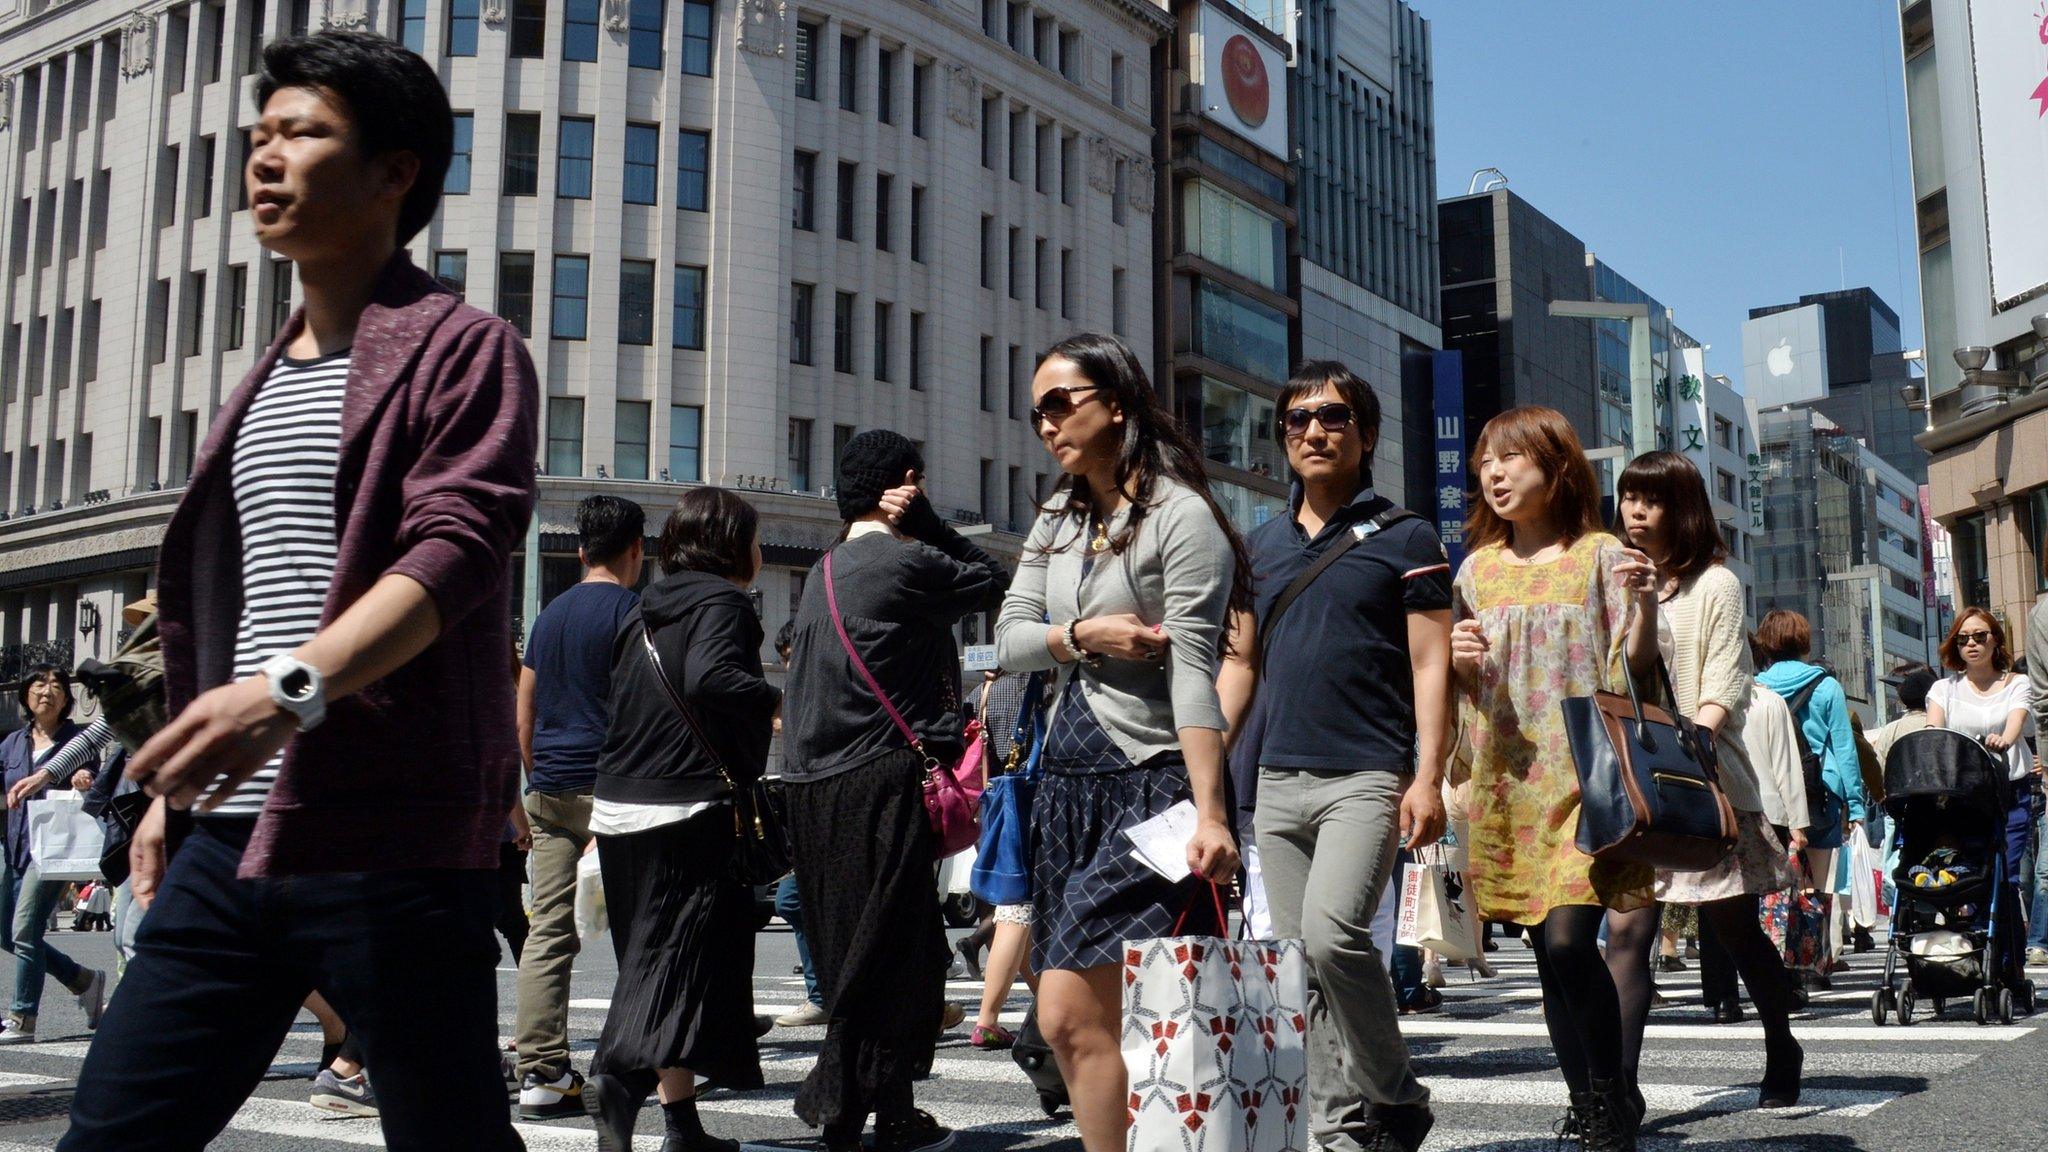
[613, 1101]
[1608, 1117]
[1782, 1070]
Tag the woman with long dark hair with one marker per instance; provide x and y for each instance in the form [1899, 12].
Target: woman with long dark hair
[888, 594]
[1136, 569]
[1666, 513]
[689, 720]
[1548, 606]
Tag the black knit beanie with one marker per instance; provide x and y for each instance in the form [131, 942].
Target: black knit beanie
[873, 463]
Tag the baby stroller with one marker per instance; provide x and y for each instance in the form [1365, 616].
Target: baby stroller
[1953, 923]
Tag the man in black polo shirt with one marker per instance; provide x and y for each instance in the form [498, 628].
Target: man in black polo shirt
[1351, 673]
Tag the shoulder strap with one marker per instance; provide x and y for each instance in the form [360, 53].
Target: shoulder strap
[1798, 700]
[676, 698]
[1380, 523]
[860, 666]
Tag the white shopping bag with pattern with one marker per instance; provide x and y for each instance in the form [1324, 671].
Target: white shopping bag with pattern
[1215, 1044]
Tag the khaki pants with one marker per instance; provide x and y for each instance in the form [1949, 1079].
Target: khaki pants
[561, 831]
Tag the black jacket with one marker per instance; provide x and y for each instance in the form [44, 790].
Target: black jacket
[900, 600]
[710, 645]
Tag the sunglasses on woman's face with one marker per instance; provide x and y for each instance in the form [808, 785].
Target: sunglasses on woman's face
[1972, 639]
[1057, 404]
[1333, 418]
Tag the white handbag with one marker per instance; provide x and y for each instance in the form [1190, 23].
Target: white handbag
[63, 841]
[1436, 913]
[592, 920]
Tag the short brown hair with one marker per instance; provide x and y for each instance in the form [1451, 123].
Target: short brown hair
[1784, 635]
[1951, 648]
[1574, 496]
[1674, 482]
[711, 530]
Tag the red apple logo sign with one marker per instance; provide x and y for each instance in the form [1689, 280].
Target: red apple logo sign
[1244, 81]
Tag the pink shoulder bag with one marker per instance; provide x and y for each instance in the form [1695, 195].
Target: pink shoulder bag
[952, 793]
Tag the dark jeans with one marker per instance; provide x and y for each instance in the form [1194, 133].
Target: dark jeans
[789, 904]
[222, 965]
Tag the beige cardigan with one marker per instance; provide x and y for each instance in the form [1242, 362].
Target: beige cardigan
[1700, 632]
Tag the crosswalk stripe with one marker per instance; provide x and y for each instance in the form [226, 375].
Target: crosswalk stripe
[1824, 1033]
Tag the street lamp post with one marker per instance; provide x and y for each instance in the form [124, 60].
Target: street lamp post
[1642, 383]
[1875, 576]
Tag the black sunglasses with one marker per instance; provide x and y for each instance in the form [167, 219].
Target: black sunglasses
[1967, 638]
[1057, 404]
[1333, 418]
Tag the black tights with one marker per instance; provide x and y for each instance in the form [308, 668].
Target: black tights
[1630, 938]
[1730, 930]
[1579, 1004]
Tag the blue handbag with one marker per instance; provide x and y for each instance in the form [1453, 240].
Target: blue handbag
[1002, 857]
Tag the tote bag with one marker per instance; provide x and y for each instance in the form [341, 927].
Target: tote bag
[1002, 856]
[1215, 1044]
[1435, 912]
[64, 842]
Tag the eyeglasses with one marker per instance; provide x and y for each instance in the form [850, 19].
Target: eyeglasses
[1971, 639]
[1057, 404]
[1333, 418]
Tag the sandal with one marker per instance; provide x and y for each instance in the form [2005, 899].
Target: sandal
[991, 1038]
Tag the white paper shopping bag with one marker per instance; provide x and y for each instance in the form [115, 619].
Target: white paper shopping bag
[64, 842]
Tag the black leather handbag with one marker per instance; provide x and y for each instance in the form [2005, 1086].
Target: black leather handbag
[1649, 788]
[760, 847]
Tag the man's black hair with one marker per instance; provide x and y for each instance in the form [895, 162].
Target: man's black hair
[606, 527]
[1334, 375]
[392, 97]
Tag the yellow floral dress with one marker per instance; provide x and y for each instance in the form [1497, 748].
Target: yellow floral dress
[1556, 630]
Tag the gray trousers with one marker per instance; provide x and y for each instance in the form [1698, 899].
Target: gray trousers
[1326, 844]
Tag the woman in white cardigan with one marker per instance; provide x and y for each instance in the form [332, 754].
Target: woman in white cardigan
[1666, 513]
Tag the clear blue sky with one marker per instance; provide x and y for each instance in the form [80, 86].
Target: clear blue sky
[1722, 156]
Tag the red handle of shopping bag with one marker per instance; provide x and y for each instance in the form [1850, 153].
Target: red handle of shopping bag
[1216, 895]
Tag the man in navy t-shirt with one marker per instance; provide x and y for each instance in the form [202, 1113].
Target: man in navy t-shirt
[1353, 692]
[564, 701]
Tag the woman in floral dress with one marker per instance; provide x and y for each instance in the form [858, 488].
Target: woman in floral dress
[1548, 604]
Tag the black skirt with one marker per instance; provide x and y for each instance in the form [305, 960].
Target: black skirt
[684, 935]
[862, 845]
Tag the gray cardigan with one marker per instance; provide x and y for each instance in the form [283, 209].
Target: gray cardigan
[1177, 572]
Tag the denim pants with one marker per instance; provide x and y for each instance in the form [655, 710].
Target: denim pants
[222, 965]
[26, 902]
[2037, 915]
[789, 905]
[1404, 961]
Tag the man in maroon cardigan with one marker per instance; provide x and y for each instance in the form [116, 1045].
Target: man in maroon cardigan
[335, 619]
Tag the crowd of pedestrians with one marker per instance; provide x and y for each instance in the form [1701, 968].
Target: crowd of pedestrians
[358, 791]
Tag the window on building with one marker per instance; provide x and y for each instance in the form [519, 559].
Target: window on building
[849, 73]
[800, 455]
[885, 195]
[1724, 432]
[643, 44]
[988, 490]
[1227, 230]
[689, 307]
[1041, 275]
[451, 268]
[1116, 79]
[807, 60]
[231, 339]
[1070, 54]
[1070, 167]
[1119, 309]
[456, 183]
[1117, 214]
[885, 85]
[685, 443]
[803, 192]
[629, 439]
[203, 177]
[920, 91]
[916, 351]
[988, 373]
[916, 224]
[849, 174]
[1044, 41]
[697, 37]
[643, 163]
[462, 21]
[571, 299]
[988, 251]
[515, 290]
[579, 30]
[530, 30]
[1019, 383]
[1042, 156]
[842, 332]
[1066, 283]
[693, 170]
[522, 153]
[1020, 124]
[800, 296]
[1017, 29]
[1015, 252]
[280, 297]
[194, 337]
[636, 301]
[882, 319]
[166, 189]
[412, 25]
[565, 436]
[575, 156]
[991, 129]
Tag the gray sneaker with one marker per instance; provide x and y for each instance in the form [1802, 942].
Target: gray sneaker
[18, 1029]
[2037, 957]
[343, 1095]
[94, 999]
[808, 1016]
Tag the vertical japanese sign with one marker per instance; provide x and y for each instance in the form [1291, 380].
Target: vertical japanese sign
[1756, 492]
[1689, 415]
[1927, 530]
[1448, 385]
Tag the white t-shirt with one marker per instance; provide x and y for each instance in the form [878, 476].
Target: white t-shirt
[1977, 715]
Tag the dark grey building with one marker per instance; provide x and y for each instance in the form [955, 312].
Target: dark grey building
[1865, 370]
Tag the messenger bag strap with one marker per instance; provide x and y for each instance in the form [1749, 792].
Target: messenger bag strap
[1331, 555]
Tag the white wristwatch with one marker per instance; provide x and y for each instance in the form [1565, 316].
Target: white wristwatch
[297, 687]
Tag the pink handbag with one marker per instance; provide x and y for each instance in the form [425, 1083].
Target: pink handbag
[952, 793]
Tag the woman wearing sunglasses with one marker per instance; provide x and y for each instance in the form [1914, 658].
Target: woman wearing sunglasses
[1986, 700]
[1124, 586]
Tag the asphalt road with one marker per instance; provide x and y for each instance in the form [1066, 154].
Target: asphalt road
[1945, 1084]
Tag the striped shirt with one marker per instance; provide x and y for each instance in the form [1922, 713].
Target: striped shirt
[286, 454]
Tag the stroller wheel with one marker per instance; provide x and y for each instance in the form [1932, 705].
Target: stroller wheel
[1980, 1006]
[2026, 997]
[1940, 1005]
[2005, 1005]
[1905, 1008]
[1880, 1004]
